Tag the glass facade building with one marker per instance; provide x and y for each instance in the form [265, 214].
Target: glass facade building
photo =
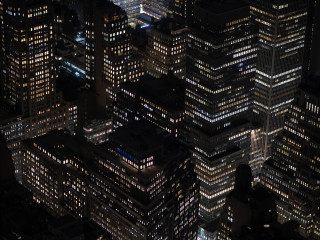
[221, 58]
[282, 30]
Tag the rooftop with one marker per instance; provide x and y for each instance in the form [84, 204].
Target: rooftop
[167, 25]
[138, 136]
[216, 13]
[142, 136]
[63, 145]
[167, 91]
[222, 6]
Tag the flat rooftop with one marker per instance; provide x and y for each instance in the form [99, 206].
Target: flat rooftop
[138, 136]
[143, 136]
[167, 91]
[166, 25]
[216, 13]
[222, 6]
[62, 145]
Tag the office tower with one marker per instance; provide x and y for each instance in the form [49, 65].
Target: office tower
[141, 187]
[66, 22]
[132, 8]
[28, 75]
[292, 172]
[282, 28]
[109, 58]
[221, 57]
[157, 100]
[30, 105]
[250, 213]
[166, 49]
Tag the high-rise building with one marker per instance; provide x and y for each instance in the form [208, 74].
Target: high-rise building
[109, 57]
[28, 73]
[141, 187]
[166, 49]
[221, 57]
[292, 172]
[282, 29]
[157, 100]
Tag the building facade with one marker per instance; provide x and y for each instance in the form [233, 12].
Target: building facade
[292, 172]
[282, 29]
[109, 57]
[142, 187]
[166, 49]
[97, 131]
[28, 76]
[221, 58]
[157, 100]
[311, 50]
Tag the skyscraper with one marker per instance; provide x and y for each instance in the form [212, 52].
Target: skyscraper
[221, 57]
[109, 57]
[250, 213]
[282, 29]
[77, 5]
[292, 172]
[28, 71]
[166, 49]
